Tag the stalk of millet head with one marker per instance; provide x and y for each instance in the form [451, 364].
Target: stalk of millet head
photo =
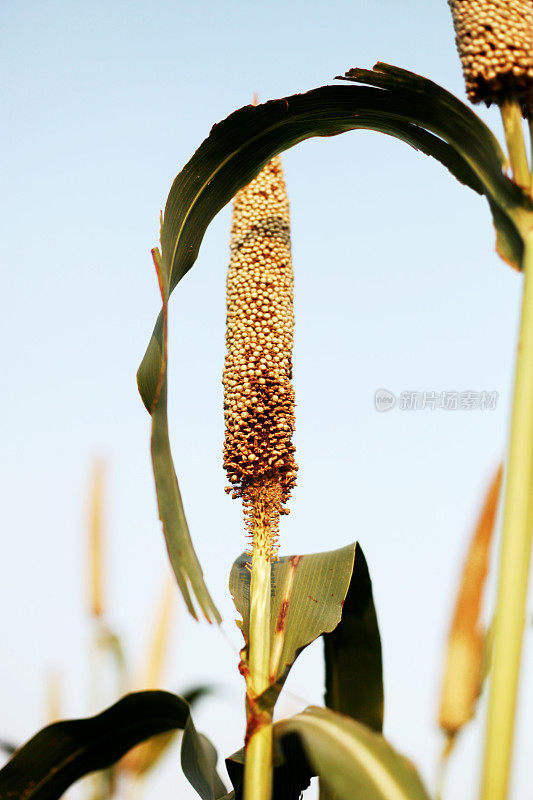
[259, 418]
[258, 394]
[495, 43]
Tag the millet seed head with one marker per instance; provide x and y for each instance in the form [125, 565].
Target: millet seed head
[495, 43]
[258, 394]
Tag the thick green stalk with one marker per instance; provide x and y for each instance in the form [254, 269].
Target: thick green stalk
[514, 560]
[258, 766]
[514, 136]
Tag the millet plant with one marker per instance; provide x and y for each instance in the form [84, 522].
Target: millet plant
[286, 602]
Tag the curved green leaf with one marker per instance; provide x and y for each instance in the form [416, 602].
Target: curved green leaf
[308, 593]
[448, 117]
[199, 761]
[400, 104]
[143, 758]
[352, 651]
[394, 102]
[61, 753]
[180, 549]
[353, 761]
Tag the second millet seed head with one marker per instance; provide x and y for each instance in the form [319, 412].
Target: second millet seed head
[495, 43]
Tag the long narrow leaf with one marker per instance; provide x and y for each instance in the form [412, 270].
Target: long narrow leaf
[352, 651]
[181, 552]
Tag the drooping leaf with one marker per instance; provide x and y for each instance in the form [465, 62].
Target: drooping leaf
[145, 756]
[352, 650]
[399, 103]
[61, 753]
[444, 114]
[395, 102]
[181, 552]
[307, 597]
[354, 762]
[199, 761]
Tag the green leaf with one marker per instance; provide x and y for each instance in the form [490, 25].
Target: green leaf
[307, 597]
[354, 679]
[180, 549]
[353, 761]
[61, 753]
[400, 104]
[395, 102]
[199, 761]
[445, 115]
[509, 243]
[147, 755]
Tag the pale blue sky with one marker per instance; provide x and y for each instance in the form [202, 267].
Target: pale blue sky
[397, 286]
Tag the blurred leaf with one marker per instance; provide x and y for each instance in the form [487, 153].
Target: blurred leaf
[353, 761]
[7, 747]
[95, 543]
[354, 679]
[192, 696]
[466, 649]
[161, 631]
[307, 597]
[53, 695]
[61, 753]
[109, 644]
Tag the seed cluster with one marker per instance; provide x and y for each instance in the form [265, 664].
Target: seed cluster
[495, 43]
[258, 394]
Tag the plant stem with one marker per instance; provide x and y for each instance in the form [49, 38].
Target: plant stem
[530, 126]
[514, 136]
[514, 560]
[258, 766]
